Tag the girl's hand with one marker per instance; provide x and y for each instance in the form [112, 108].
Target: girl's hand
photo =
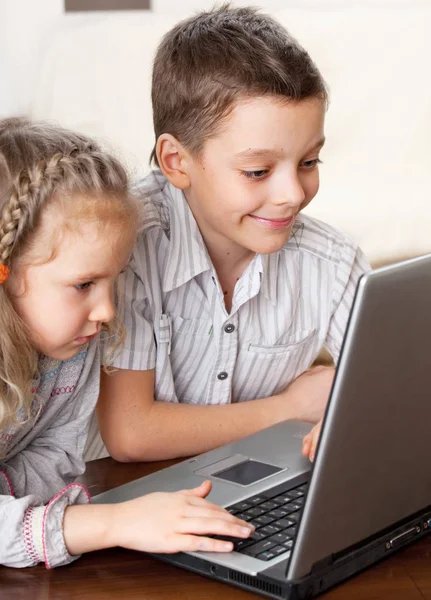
[309, 443]
[175, 522]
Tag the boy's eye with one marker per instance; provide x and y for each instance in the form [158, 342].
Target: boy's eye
[255, 174]
[83, 286]
[309, 164]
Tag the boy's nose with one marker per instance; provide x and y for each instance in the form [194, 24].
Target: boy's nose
[290, 192]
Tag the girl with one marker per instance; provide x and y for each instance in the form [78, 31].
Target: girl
[67, 228]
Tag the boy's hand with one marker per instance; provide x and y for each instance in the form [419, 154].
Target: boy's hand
[309, 393]
[309, 443]
[174, 522]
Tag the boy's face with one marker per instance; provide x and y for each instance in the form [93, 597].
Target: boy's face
[254, 177]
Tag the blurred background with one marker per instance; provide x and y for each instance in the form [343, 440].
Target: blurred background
[87, 64]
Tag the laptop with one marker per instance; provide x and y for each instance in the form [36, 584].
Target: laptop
[368, 492]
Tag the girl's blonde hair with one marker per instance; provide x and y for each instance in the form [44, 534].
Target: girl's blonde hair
[41, 167]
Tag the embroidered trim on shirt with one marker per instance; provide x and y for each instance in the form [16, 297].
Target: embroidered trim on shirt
[67, 389]
[45, 514]
[33, 533]
[8, 482]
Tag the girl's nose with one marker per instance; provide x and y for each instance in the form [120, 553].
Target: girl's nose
[104, 311]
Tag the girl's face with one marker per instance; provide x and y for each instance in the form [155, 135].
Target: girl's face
[64, 301]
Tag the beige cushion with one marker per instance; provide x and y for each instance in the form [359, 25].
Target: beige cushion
[95, 77]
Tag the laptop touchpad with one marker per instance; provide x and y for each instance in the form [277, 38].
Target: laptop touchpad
[247, 472]
[240, 470]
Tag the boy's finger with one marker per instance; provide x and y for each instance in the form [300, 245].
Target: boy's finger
[313, 446]
[306, 438]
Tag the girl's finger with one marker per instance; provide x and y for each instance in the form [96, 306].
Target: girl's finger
[207, 512]
[202, 525]
[200, 491]
[201, 502]
[194, 543]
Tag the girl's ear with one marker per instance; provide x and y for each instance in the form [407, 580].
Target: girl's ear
[173, 159]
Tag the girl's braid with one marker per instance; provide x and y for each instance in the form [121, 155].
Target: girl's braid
[33, 187]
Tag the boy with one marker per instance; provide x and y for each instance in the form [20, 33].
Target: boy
[231, 292]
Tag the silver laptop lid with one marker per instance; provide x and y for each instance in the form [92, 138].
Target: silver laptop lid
[372, 466]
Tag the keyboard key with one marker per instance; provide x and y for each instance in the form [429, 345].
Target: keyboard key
[295, 517]
[278, 550]
[283, 499]
[270, 529]
[258, 535]
[232, 511]
[269, 505]
[241, 544]
[295, 493]
[291, 532]
[278, 513]
[269, 554]
[254, 512]
[241, 506]
[254, 500]
[280, 538]
[279, 500]
[292, 506]
[244, 516]
[283, 523]
[262, 520]
[259, 547]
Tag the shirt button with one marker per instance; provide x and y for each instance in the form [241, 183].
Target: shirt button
[222, 375]
[229, 328]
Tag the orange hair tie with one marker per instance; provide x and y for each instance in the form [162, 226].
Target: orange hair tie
[4, 273]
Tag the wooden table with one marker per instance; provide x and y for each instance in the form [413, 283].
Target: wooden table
[126, 575]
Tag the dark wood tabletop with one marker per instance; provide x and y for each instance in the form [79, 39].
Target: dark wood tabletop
[126, 575]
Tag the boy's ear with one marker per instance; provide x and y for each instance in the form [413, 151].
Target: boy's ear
[172, 158]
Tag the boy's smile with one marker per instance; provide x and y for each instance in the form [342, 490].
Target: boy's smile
[255, 175]
[273, 223]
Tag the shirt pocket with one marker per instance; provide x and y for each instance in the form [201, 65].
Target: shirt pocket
[265, 370]
[284, 346]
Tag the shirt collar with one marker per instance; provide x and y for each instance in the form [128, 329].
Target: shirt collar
[188, 255]
[269, 274]
[268, 264]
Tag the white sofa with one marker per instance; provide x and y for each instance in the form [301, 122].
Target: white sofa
[95, 76]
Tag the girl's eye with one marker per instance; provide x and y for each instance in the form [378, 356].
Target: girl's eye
[83, 286]
[309, 164]
[254, 174]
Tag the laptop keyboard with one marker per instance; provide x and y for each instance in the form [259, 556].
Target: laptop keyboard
[275, 514]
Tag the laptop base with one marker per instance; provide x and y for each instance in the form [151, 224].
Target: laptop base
[272, 582]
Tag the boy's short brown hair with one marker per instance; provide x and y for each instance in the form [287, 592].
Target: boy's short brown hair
[207, 62]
